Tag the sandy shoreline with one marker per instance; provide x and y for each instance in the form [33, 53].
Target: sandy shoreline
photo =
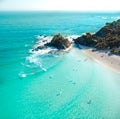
[110, 61]
[68, 49]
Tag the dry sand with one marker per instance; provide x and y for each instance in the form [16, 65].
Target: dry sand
[110, 61]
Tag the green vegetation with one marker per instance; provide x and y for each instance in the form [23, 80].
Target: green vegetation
[107, 37]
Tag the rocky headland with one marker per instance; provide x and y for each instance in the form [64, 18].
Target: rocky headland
[107, 38]
[103, 46]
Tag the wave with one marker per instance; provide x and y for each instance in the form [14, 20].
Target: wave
[40, 52]
[42, 40]
[22, 75]
[34, 59]
[109, 18]
[104, 17]
[39, 58]
[118, 17]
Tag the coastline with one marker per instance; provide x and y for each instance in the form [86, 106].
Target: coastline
[109, 61]
[69, 48]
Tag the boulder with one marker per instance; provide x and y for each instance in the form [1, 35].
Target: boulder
[59, 42]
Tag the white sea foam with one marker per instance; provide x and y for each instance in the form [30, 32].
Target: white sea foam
[40, 37]
[118, 17]
[22, 75]
[70, 38]
[104, 18]
[42, 40]
[35, 55]
[40, 52]
[34, 59]
[44, 69]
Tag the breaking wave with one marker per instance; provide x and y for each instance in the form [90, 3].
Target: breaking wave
[42, 58]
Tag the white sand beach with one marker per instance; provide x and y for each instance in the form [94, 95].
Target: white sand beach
[110, 61]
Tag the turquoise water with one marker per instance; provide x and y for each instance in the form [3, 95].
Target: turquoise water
[64, 86]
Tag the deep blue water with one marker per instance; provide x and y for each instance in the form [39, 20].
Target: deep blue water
[69, 88]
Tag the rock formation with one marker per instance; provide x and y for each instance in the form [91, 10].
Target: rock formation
[107, 37]
[59, 42]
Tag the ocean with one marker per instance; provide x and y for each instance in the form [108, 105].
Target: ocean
[54, 86]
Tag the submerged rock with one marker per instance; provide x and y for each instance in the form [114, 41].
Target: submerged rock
[58, 94]
[40, 47]
[89, 102]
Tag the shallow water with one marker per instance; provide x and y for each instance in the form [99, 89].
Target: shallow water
[61, 86]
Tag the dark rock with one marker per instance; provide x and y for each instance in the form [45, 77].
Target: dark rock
[87, 40]
[108, 37]
[59, 42]
[40, 48]
[44, 41]
[89, 102]
[115, 51]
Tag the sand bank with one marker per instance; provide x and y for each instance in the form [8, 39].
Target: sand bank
[102, 57]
